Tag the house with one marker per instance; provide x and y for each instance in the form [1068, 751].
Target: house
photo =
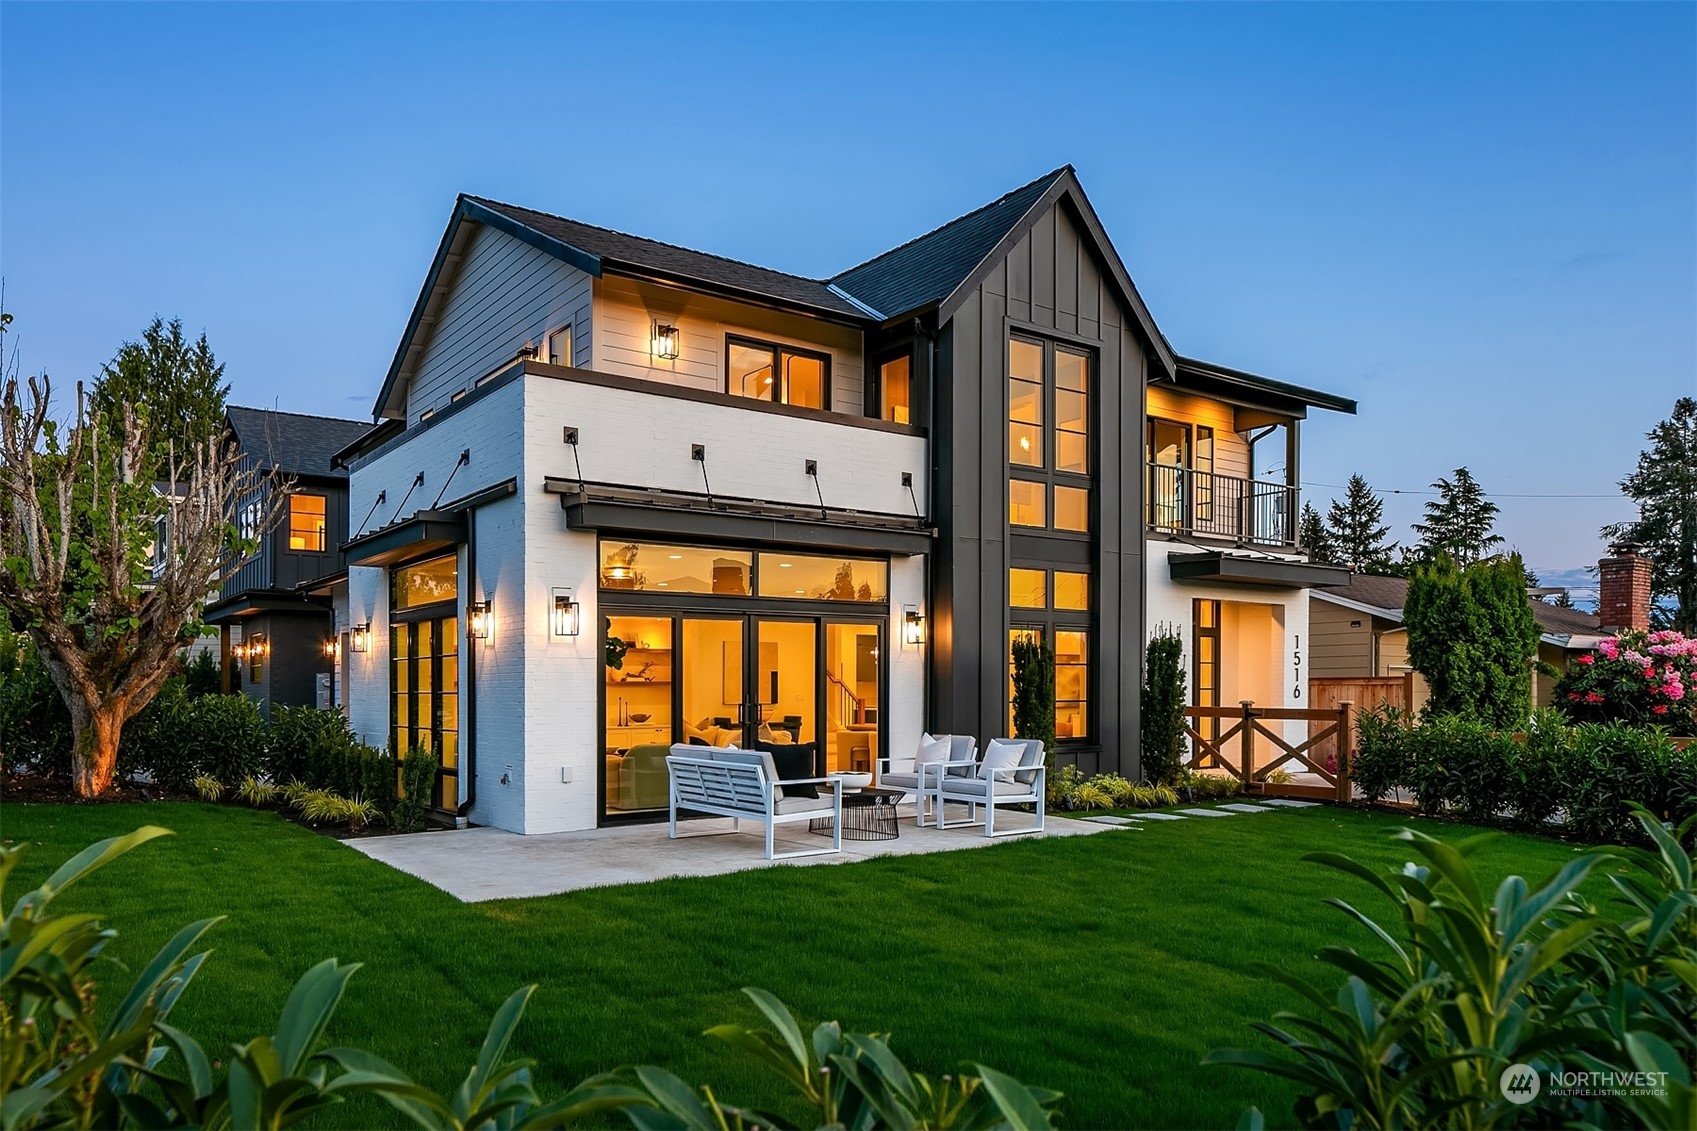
[1358, 631]
[624, 494]
[273, 614]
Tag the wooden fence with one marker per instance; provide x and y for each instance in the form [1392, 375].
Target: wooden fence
[1233, 750]
[1366, 692]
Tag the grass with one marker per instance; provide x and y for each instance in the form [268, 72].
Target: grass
[1105, 966]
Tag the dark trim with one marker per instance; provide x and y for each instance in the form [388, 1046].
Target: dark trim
[262, 601]
[1206, 376]
[380, 432]
[584, 261]
[671, 516]
[1243, 569]
[629, 270]
[484, 495]
[1066, 185]
[778, 350]
[426, 534]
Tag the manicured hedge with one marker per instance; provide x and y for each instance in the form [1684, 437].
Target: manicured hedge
[1580, 778]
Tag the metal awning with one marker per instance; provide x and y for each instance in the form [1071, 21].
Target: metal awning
[424, 535]
[684, 514]
[1250, 569]
[262, 601]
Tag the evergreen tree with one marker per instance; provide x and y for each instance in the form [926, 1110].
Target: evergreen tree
[1358, 529]
[1315, 538]
[1563, 600]
[1472, 635]
[1459, 522]
[1664, 485]
[177, 384]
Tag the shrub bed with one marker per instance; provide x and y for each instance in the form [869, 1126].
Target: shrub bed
[1581, 778]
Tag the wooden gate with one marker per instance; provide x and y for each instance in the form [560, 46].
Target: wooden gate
[1234, 750]
[1366, 692]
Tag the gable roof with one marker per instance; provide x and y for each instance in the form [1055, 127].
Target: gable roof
[1384, 597]
[292, 442]
[943, 266]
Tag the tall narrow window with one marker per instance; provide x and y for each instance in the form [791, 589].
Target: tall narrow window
[1025, 403]
[895, 389]
[1072, 412]
[1028, 503]
[560, 346]
[1204, 463]
[306, 523]
[1205, 616]
[767, 372]
[1072, 683]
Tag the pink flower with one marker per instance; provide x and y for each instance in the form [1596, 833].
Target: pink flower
[1609, 648]
[1659, 709]
[1587, 660]
[1593, 697]
[1573, 695]
[1674, 690]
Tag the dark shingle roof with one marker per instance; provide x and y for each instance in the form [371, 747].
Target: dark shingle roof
[928, 269]
[617, 249]
[1390, 592]
[293, 442]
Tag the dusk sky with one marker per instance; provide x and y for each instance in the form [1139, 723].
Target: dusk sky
[1479, 221]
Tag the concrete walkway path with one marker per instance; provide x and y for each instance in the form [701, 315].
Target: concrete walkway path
[478, 864]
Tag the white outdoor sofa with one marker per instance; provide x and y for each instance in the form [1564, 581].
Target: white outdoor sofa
[979, 785]
[743, 785]
[916, 780]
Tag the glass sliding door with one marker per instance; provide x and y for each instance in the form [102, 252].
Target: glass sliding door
[786, 694]
[638, 679]
[853, 661]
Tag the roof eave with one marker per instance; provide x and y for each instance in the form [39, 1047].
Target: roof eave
[634, 271]
[1312, 398]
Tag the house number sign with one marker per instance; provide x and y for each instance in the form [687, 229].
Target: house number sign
[1296, 668]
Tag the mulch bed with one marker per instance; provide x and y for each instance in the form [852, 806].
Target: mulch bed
[34, 789]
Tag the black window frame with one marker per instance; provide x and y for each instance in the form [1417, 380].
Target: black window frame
[875, 385]
[778, 350]
[1048, 474]
[1049, 620]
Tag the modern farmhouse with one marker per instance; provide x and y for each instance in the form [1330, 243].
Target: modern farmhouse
[623, 494]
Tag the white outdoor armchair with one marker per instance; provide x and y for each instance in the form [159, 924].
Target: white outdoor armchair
[1024, 783]
[917, 780]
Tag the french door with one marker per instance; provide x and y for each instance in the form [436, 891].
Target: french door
[806, 689]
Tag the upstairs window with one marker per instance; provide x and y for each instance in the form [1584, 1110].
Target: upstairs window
[895, 389]
[766, 372]
[306, 524]
[560, 346]
[1025, 403]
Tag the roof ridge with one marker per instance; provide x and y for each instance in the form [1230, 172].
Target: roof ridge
[649, 239]
[305, 415]
[1049, 176]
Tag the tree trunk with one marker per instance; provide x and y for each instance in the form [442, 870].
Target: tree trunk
[95, 729]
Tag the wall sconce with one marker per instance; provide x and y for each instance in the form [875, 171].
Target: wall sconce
[359, 638]
[665, 343]
[332, 648]
[565, 613]
[913, 627]
[480, 620]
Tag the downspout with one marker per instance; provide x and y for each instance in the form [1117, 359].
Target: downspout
[930, 509]
[468, 694]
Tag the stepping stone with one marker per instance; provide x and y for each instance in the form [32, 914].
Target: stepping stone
[1287, 803]
[1110, 819]
[1240, 807]
[1157, 817]
[1206, 813]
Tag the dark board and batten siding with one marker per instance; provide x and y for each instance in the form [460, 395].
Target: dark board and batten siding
[1050, 283]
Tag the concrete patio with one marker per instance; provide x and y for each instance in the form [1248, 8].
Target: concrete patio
[479, 864]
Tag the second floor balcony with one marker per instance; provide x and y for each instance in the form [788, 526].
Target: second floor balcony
[1188, 503]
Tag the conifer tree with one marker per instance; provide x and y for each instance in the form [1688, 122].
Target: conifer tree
[1358, 529]
[1664, 485]
[1315, 537]
[1460, 522]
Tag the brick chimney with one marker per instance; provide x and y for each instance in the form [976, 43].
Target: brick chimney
[1623, 588]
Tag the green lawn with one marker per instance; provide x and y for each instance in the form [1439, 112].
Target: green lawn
[1102, 966]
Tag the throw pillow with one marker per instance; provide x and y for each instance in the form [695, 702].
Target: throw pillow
[1000, 755]
[792, 761]
[931, 750]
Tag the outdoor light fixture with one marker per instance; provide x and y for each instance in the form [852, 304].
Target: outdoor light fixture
[480, 620]
[566, 619]
[665, 344]
[359, 639]
[913, 627]
[331, 647]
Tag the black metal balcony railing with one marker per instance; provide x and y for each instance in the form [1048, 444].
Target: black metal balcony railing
[1203, 503]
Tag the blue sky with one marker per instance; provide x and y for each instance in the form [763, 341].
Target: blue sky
[1478, 220]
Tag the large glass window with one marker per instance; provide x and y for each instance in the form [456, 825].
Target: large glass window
[1072, 508]
[1028, 588]
[823, 578]
[1072, 591]
[1072, 412]
[768, 372]
[1072, 683]
[1025, 403]
[652, 567]
[1028, 503]
[306, 523]
[425, 583]
[895, 389]
[560, 346]
[639, 674]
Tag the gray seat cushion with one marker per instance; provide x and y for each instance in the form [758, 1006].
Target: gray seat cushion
[976, 787]
[900, 781]
[803, 804]
[1033, 758]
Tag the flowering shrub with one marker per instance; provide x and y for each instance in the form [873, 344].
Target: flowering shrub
[1640, 678]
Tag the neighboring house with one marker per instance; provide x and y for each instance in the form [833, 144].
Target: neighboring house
[274, 614]
[1358, 631]
[623, 494]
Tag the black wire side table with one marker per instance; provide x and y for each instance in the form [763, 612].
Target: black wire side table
[868, 814]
